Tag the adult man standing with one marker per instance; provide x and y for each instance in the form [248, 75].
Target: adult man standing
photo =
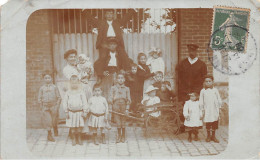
[191, 73]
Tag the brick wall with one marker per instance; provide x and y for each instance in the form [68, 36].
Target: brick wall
[195, 28]
[38, 59]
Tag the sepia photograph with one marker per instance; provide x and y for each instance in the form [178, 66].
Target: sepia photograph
[123, 83]
[129, 80]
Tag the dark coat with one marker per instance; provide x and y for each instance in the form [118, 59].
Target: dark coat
[102, 27]
[123, 62]
[190, 78]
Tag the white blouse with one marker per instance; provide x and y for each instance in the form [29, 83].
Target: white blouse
[75, 100]
[156, 64]
[98, 105]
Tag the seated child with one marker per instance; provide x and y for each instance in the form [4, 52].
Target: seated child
[131, 82]
[75, 107]
[119, 101]
[165, 93]
[158, 79]
[85, 67]
[98, 110]
[210, 103]
[150, 100]
[49, 100]
[193, 116]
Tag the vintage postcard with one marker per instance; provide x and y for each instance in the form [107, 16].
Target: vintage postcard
[130, 80]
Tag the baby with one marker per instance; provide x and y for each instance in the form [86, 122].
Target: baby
[85, 67]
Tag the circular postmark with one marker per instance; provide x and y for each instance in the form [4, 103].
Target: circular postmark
[233, 54]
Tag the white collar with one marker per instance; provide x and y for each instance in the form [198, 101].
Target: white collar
[110, 22]
[112, 53]
[192, 61]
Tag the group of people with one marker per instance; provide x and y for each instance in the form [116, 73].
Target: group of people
[122, 85]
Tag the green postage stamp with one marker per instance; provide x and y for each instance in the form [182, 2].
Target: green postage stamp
[230, 29]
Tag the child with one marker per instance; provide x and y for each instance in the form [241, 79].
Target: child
[158, 79]
[165, 93]
[98, 110]
[49, 100]
[131, 82]
[85, 67]
[75, 107]
[155, 61]
[210, 103]
[143, 73]
[150, 100]
[193, 116]
[119, 101]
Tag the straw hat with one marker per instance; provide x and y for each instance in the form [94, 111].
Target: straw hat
[150, 89]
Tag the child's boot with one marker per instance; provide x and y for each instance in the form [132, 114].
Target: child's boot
[79, 139]
[103, 138]
[190, 137]
[95, 139]
[55, 129]
[50, 138]
[123, 135]
[73, 138]
[208, 136]
[213, 138]
[196, 138]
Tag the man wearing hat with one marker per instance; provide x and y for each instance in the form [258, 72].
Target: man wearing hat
[191, 72]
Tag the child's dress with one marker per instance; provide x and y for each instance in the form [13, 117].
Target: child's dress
[210, 102]
[156, 64]
[191, 109]
[148, 101]
[98, 109]
[75, 103]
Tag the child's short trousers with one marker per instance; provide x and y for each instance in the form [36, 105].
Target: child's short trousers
[119, 105]
[212, 125]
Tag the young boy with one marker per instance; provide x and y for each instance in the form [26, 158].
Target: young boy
[49, 100]
[131, 82]
[210, 103]
[165, 93]
[119, 101]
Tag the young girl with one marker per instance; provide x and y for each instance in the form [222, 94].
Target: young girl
[155, 61]
[85, 67]
[193, 116]
[75, 107]
[98, 110]
[210, 103]
[156, 64]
